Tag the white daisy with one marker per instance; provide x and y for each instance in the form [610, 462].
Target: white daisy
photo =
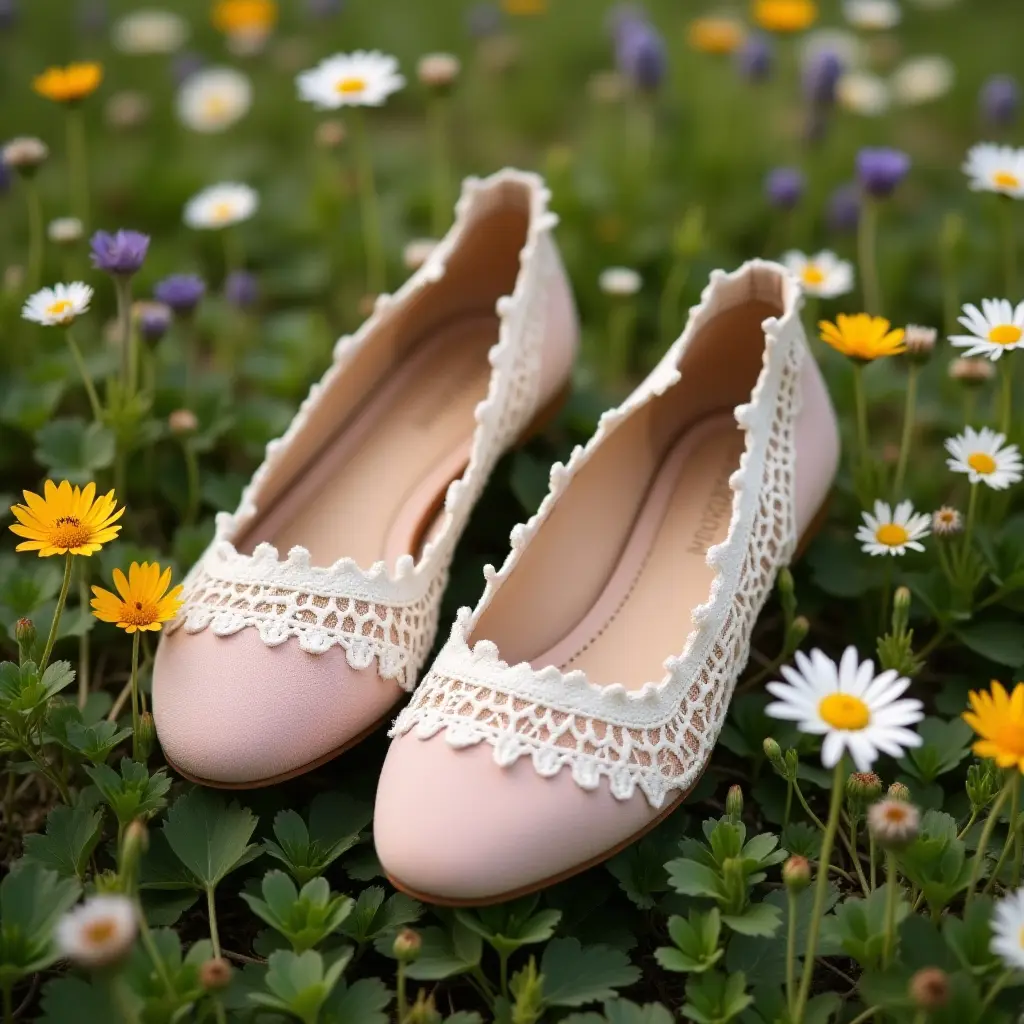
[360, 79]
[993, 168]
[985, 457]
[220, 206]
[861, 92]
[849, 705]
[99, 931]
[1007, 925]
[872, 15]
[214, 99]
[996, 328]
[922, 80]
[619, 281]
[65, 230]
[58, 306]
[824, 275]
[892, 531]
[150, 31]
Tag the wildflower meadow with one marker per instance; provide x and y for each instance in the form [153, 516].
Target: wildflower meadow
[197, 200]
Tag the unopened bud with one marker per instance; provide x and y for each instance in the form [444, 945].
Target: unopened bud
[796, 873]
[901, 611]
[797, 632]
[734, 803]
[862, 789]
[25, 155]
[183, 422]
[898, 791]
[330, 134]
[438, 71]
[929, 988]
[25, 636]
[423, 1011]
[920, 342]
[792, 760]
[773, 752]
[407, 945]
[146, 737]
[215, 974]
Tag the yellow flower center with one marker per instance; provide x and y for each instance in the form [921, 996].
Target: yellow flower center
[215, 106]
[59, 308]
[139, 613]
[223, 211]
[981, 462]
[892, 535]
[1020, 938]
[844, 711]
[812, 275]
[1005, 334]
[1009, 737]
[350, 86]
[99, 933]
[1005, 179]
[69, 532]
[895, 814]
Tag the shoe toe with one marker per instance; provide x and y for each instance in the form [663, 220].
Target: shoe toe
[451, 825]
[232, 711]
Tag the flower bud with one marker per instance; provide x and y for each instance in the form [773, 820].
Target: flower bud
[972, 372]
[438, 71]
[134, 844]
[215, 974]
[920, 342]
[893, 823]
[898, 791]
[792, 763]
[25, 635]
[423, 1011]
[407, 945]
[734, 803]
[65, 230]
[182, 422]
[25, 155]
[773, 752]
[901, 611]
[929, 988]
[862, 789]
[982, 784]
[797, 632]
[796, 873]
[146, 739]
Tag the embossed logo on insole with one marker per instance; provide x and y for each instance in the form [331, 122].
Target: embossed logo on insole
[718, 508]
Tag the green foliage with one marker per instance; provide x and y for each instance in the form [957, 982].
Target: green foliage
[696, 942]
[304, 918]
[936, 861]
[300, 984]
[71, 835]
[716, 998]
[132, 792]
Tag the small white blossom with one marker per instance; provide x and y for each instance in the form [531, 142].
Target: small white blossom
[221, 206]
[58, 306]
[360, 79]
[214, 99]
[99, 931]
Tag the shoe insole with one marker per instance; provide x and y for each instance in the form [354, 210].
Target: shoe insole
[375, 490]
[643, 615]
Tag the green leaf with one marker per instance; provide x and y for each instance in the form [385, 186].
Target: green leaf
[696, 940]
[757, 919]
[998, 641]
[133, 792]
[622, 1011]
[209, 837]
[508, 926]
[299, 983]
[75, 450]
[858, 925]
[362, 1002]
[96, 740]
[75, 999]
[444, 951]
[305, 918]
[71, 835]
[690, 878]
[945, 745]
[575, 975]
[715, 998]
[372, 916]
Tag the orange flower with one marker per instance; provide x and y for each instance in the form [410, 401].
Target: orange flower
[785, 15]
[524, 7]
[715, 35]
[998, 719]
[862, 337]
[70, 84]
[142, 601]
[231, 16]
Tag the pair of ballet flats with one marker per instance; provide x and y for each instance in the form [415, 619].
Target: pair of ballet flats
[578, 703]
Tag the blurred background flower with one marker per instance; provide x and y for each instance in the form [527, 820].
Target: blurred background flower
[214, 99]
[150, 31]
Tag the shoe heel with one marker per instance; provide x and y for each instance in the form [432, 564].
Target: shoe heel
[546, 415]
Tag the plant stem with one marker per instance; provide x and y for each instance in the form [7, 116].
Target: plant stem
[1009, 250]
[993, 992]
[671, 296]
[872, 860]
[820, 889]
[908, 430]
[891, 899]
[83, 371]
[123, 290]
[211, 910]
[972, 508]
[861, 404]
[1005, 397]
[135, 695]
[78, 163]
[791, 951]
[1011, 835]
[861, 1018]
[375, 267]
[52, 638]
[866, 253]
[789, 803]
[503, 972]
[400, 997]
[147, 941]
[986, 835]
[233, 257]
[83, 640]
[621, 319]
[438, 124]
[35, 235]
[8, 1002]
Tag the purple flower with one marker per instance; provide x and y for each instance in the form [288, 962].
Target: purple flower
[754, 58]
[182, 292]
[241, 289]
[483, 20]
[323, 8]
[185, 64]
[843, 210]
[121, 253]
[640, 53]
[784, 187]
[153, 321]
[1000, 100]
[880, 170]
[8, 13]
[820, 76]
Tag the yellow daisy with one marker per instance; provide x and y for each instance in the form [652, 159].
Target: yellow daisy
[785, 15]
[232, 16]
[524, 8]
[66, 520]
[998, 718]
[144, 602]
[69, 84]
[715, 34]
[862, 336]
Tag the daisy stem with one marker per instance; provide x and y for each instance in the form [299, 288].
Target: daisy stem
[891, 897]
[234, 259]
[135, 695]
[438, 117]
[909, 410]
[192, 473]
[866, 246]
[791, 950]
[83, 640]
[872, 860]
[375, 269]
[83, 372]
[123, 290]
[986, 835]
[35, 235]
[1005, 397]
[972, 508]
[621, 319]
[1011, 835]
[61, 600]
[860, 401]
[671, 296]
[77, 163]
[401, 1001]
[820, 889]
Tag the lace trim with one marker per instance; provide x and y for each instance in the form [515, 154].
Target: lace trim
[660, 737]
[370, 613]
